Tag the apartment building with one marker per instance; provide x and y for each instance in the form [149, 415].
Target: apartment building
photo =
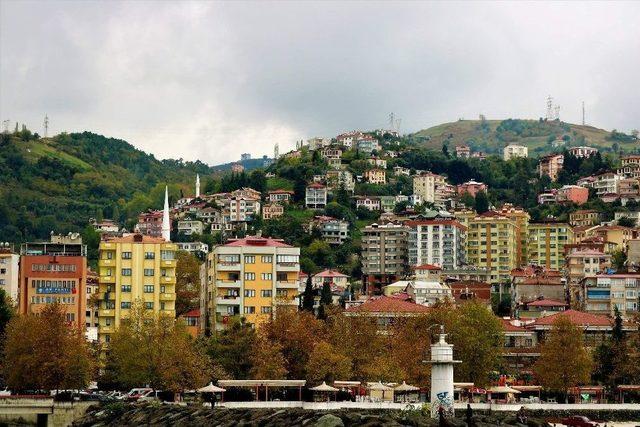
[471, 187]
[189, 227]
[521, 218]
[584, 218]
[579, 263]
[272, 210]
[337, 179]
[316, 196]
[604, 183]
[375, 176]
[280, 196]
[252, 277]
[602, 293]
[384, 255]
[492, 243]
[372, 203]
[432, 188]
[436, 242]
[463, 151]
[243, 208]
[550, 165]
[547, 240]
[514, 150]
[334, 231]
[150, 223]
[54, 272]
[582, 151]
[134, 269]
[9, 272]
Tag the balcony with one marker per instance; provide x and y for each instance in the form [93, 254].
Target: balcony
[167, 297]
[106, 329]
[236, 284]
[107, 279]
[168, 279]
[287, 284]
[228, 300]
[106, 313]
[106, 262]
[228, 266]
[168, 263]
[288, 266]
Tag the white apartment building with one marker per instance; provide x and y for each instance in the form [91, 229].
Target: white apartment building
[436, 242]
[514, 150]
[242, 209]
[429, 186]
[9, 269]
[316, 196]
[190, 227]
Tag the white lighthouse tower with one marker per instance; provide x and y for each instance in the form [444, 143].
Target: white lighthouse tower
[197, 185]
[166, 221]
[442, 376]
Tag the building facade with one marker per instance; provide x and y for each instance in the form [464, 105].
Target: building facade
[601, 294]
[436, 242]
[384, 255]
[135, 269]
[316, 196]
[546, 243]
[9, 272]
[513, 150]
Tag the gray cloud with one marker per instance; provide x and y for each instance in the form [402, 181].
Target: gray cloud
[209, 80]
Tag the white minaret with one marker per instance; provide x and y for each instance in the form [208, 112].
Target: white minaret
[197, 185]
[166, 224]
[442, 376]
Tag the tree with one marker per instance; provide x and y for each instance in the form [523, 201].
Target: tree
[327, 363]
[481, 202]
[152, 349]
[619, 260]
[267, 360]
[187, 282]
[627, 222]
[230, 347]
[6, 313]
[558, 369]
[308, 297]
[326, 299]
[43, 352]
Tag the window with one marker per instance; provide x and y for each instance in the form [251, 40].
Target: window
[148, 289]
[108, 255]
[126, 272]
[148, 272]
[126, 255]
[167, 255]
[149, 255]
[162, 306]
[249, 259]
[107, 321]
[249, 276]
[125, 304]
[249, 293]
[265, 310]
[249, 310]
[107, 338]
[281, 277]
[162, 289]
[267, 276]
[266, 259]
[288, 259]
[148, 305]
[126, 288]
[266, 293]
[229, 259]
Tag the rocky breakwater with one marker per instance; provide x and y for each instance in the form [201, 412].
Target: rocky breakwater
[169, 415]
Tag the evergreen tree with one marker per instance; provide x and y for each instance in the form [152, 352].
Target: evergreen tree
[482, 202]
[326, 299]
[308, 296]
[617, 333]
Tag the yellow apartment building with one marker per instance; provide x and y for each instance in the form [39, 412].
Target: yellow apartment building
[546, 243]
[521, 218]
[251, 278]
[492, 243]
[134, 268]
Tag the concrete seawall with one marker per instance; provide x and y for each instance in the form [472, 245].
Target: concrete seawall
[41, 411]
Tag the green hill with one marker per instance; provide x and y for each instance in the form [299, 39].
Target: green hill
[491, 136]
[59, 183]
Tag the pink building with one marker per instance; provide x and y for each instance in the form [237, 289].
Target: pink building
[471, 187]
[572, 194]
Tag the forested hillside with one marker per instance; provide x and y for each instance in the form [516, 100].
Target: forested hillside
[59, 183]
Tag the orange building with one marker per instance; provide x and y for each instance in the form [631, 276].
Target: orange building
[54, 273]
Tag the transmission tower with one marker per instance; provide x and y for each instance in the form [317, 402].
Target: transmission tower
[5, 125]
[46, 126]
[556, 113]
[398, 121]
[583, 115]
[392, 121]
[276, 151]
[549, 108]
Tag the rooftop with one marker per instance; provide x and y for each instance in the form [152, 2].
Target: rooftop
[388, 305]
[578, 318]
[258, 241]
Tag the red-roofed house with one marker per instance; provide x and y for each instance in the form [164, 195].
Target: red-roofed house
[316, 196]
[466, 290]
[540, 307]
[386, 309]
[330, 276]
[192, 321]
[427, 272]
[595, 328]
[520, 345]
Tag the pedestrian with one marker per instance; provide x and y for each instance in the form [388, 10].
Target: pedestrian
[469, 415]
[442, 422]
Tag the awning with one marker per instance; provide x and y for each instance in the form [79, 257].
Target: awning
[503, 389]
[262, 383]
[211, 389]
[378, 386]
[346, 383]
[323, 387]
[527, 387]
[406, 387]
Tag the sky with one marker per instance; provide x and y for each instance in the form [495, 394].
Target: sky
[211, 80]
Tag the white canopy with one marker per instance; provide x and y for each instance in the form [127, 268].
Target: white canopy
[211, 389]
[503, 389]
[323, 387]
[406, 387]
[379, 386]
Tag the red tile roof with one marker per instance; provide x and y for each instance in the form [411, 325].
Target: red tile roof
[546, 303]
[259, 241]
[427, 267]
[386, 304]
[193, 313]
[509, 327]
[578, 318]
[330, 273]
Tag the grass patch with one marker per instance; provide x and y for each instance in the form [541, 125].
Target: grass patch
[39, 149]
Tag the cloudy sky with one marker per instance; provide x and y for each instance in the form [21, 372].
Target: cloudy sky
[210, 80]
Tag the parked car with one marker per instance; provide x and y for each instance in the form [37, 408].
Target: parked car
[136, 393]
[5, 392]
[579, 421]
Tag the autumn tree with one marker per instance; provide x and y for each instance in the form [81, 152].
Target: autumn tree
[558, 369]
[267, 360]
[187, 282]
[44, 352]
[152, 349]
[327, 363]
[409, 347]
